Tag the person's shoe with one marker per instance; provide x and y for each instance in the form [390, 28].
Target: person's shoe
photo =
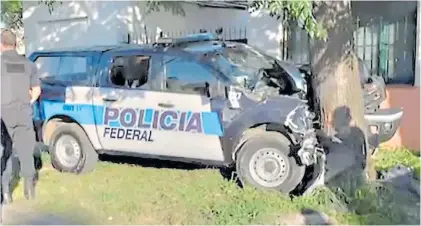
[29, 188]
[7, 199]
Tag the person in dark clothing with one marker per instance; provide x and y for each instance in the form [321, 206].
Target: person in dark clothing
[5, 151]
[18, 77]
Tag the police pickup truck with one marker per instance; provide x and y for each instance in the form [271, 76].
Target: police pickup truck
[191, 99]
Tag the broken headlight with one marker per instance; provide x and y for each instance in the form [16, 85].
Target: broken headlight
[300, 120]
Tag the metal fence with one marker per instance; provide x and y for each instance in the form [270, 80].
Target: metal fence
[228, 33]
[238, 34]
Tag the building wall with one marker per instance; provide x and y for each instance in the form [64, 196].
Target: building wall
[266, 33]
[175, 19]
[76, 23]
[73, 23]
[407, 98]
[261, 30]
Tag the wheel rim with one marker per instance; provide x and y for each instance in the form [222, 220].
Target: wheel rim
[68, 151]
[269, 167]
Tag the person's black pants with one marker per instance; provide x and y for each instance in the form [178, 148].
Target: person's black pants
[19, 125]
[5, 151]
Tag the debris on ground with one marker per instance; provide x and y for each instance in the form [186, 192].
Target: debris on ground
[305, 217]
[402, 179]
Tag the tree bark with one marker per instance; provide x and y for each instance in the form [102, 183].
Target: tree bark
[338, 93]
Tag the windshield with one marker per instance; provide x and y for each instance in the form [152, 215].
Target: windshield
[242, 63]
[246, 58]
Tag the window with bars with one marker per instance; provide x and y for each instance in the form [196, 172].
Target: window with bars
[387, 47]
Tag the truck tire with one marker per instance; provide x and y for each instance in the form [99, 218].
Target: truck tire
[70, 149]
[264, 162]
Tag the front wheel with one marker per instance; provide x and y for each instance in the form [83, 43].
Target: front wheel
[70, 149]
[264, 161]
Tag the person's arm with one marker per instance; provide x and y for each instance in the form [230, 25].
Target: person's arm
[35, 90]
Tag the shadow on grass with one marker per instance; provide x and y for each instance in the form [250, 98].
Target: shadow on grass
[312, 217]
[22, 215]
[152, 163]
[226, 173]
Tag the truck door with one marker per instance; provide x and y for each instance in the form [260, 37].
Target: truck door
[191, 128]
[124, 101]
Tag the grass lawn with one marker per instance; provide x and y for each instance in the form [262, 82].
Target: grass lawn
[132, 194]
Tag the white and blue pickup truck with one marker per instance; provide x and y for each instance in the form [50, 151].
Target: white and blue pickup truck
[191, 99]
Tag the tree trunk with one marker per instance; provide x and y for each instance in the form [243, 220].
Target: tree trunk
[338, 93]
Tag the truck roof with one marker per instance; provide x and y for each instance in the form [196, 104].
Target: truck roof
[194, 43]
[98, 48]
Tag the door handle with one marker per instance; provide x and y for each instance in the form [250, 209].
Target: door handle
[165, 105]
[109, 99]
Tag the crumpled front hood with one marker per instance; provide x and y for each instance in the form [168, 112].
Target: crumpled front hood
[295, 75]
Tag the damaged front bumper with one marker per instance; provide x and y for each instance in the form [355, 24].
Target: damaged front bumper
[312, 155]
[310, 149]
[310, 152]
[315, 157]
[300, 122]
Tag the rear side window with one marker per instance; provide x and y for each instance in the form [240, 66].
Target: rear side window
[47, 66]
[64, 69]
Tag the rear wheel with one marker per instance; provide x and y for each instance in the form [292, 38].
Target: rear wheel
[264, 161]
[70, 149]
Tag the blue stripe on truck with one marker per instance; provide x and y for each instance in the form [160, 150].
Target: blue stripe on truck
[87, 114]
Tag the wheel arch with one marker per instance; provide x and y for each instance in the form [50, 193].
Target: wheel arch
[51, 123]
[46, 131]
[261, 128]
[269, 114]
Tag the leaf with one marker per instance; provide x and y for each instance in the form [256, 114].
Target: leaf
[300, 11]
[11, 11]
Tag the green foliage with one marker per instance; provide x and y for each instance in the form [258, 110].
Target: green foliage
[300, 11]
[11, 11]
[386, 159]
